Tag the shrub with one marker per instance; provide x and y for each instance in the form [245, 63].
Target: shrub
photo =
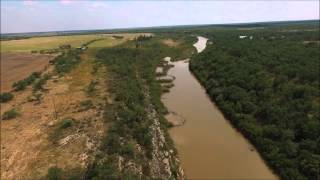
[117, 37]
[39, 84]
[91, 88]
[61, 129]
[5, 97]
[22, 84]
[165, 80]
[105, 170]
[65, 62]
[74, 173]
[95, 69]
[85, 105]
[54, 173]
[128, 150]
[12, 113]
[36, 96]
[66, 123]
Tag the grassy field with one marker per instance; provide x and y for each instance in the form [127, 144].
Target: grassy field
[111, 41]
[107, 42]
[41, 43]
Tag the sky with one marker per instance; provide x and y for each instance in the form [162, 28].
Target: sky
[60, 15]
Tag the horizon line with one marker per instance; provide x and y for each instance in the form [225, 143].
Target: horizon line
[162, 26]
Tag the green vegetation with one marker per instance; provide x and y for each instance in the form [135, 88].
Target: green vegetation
[268, 87]
[106, 42]
[91, 88]
[85, 105]
[56, 173]
[66, 123]
[165, 80]
[133, 83]
[65, 62]
[5, 97]
[118, 37]
[62, 129]
[22, 84]
[11, 114]
[45, 43]
[38, 85]
[183, 50]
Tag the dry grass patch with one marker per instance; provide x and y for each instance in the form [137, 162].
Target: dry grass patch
[171, 43]
[56, 132]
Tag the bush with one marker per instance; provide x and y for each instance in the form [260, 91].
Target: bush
[12, 113]
[22, 84]
[54, 173]
[66, 123]
[128, 150]
[104, 170]
[85, 105]
[91, 88]
[65, 62]
[5, 97]
[39, 84]
[36, 96]
[61, 129]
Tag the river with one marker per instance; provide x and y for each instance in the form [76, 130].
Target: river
[208, 146]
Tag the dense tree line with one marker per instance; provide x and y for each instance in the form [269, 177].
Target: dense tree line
[268, 87]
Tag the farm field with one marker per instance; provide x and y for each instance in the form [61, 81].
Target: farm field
[41, 43]
[17, 66]
[44, 43]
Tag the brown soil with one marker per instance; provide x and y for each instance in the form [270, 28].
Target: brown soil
[17, 66]
[27, 145]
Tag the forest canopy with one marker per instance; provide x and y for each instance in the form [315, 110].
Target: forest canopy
[267, 85]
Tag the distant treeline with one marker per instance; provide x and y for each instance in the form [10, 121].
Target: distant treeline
[268, 87]
[169, 29]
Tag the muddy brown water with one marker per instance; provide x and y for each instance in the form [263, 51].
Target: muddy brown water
[209, 147]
